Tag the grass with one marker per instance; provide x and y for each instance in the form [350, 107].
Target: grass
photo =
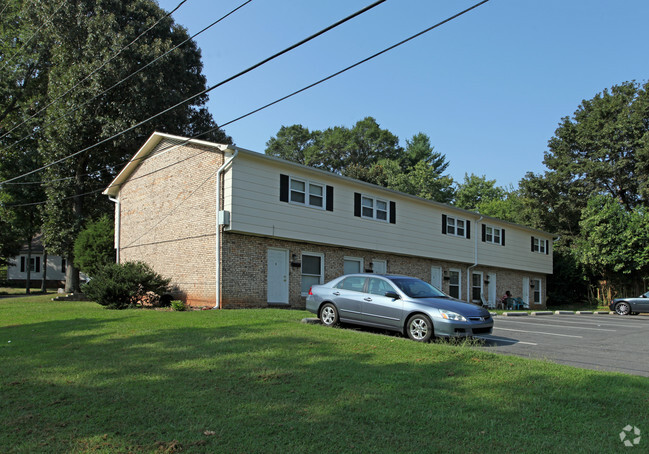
[78, 378]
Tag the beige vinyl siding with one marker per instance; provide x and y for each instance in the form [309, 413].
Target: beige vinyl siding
[251, 195]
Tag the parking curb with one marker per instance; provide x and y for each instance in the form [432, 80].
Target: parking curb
[311, 321]
[541, 313]
[584, 312]
[515, 314]
[564, 313]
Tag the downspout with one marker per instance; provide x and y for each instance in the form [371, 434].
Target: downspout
[475, 261]
[118, 224]
[217, 263]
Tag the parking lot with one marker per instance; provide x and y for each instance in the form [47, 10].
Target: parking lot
[600, 342]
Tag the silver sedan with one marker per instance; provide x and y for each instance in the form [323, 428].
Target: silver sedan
[399, 303]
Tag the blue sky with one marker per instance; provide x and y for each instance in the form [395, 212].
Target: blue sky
[488, 88]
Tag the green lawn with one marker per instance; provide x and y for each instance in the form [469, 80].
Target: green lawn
[75, 377]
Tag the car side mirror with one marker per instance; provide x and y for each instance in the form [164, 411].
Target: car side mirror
[393, 295]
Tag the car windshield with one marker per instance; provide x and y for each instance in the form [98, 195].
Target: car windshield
[416, 288]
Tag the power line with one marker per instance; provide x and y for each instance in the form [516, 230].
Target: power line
[207, 90]
[331, 76]
[69, 112]
[96, 69]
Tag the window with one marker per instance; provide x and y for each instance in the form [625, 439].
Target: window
[476, 287]
[352, 265]
[536, 292]
[311, 270]
[454, 289]
[539, 245]
[369, 207]
[353, 283]
[493, 235]
[374, 208]
[456, 226]
[303, 192]
[34, 264]
[306, 193]
[379, 287]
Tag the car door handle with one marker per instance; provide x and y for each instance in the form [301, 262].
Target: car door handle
[337, 293]
[367, 299]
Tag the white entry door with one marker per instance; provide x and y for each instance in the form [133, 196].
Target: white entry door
[436, 276]
[526, 290]
[277, 276]
[491, 277]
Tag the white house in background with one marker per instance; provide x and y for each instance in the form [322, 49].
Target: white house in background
[53, 266]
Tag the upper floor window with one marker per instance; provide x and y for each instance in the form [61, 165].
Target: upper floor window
[304, 192]
[374, 208]
[307, 193]
[369, 207]
[455, 226]
[494, 235]
[539, 245]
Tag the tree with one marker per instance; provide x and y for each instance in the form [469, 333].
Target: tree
[368, 153]
[94, 247]
[476, 190]
[81, 37]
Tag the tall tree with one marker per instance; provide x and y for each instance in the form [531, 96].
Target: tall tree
[369, 153]
[82, 36]
[476, 190]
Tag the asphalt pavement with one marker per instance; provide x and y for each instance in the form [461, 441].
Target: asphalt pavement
[599, 342]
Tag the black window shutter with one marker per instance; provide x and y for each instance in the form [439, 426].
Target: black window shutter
[22, 264]
[484, 233]
[393, 213]
[283, 188]
[547, 247]
[38, 264]
[468, 230]
[444, 224]
[532, 244]
[357, 204]
[330, 198]
[502, 237]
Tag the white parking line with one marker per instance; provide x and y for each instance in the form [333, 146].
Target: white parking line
[558, 326]
[537, 332]
[594, 321]
[502, 339]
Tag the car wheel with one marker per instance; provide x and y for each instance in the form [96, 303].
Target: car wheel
[419, 328]
[329, 314]
[622, 308]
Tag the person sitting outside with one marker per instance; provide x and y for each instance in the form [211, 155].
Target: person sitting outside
[506, 300]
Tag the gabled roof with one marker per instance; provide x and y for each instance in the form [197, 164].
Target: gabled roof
[113, 189]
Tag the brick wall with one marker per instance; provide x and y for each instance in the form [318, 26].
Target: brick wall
[168, 218]
[244, 270]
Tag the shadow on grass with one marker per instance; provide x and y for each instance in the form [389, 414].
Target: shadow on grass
[218, 382]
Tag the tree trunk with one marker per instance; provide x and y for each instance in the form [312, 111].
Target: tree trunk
[71, 277]
[44, 281]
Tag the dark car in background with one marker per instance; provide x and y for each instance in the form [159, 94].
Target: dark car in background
[630, 306]
[399, 303]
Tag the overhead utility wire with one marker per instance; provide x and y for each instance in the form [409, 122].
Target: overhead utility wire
[200, 93]
[360, 62]
[45, 22]
[128, 77]
[96, 69]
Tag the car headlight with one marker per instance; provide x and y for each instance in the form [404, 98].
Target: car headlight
[448, 315]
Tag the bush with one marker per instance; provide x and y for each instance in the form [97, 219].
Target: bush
[123, 285]
[178, 305]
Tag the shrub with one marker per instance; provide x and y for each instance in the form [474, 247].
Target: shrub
[122, 285]
[178, 305]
